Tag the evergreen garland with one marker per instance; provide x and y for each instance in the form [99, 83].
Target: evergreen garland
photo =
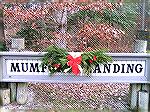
[59, 60]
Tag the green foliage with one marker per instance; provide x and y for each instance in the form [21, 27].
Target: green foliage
[2, 46]
[126, 1]
[56, 60]
[1, 13]
[81, 17]
[148, 51]
[129, 13]
[33, 32]
[124, 19]
[8, 5]
[29, 34]
[84, 15]
[101, 58]
[144, 35]
[55, 55]
[132, 1]
[124, 16]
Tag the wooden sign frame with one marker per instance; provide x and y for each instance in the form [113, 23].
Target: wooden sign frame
[70, 78]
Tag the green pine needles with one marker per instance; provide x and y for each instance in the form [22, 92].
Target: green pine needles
[59, 60]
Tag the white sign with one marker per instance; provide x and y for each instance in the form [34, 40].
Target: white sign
[25, 67]
[121, 68]
[117, 68]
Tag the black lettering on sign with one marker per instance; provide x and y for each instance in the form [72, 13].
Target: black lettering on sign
[24, 67]
[130, 68]
[34, 67]
[138, 68]
[44, 67]
[97, 69]
[106, 67]
[15, 67]
[122, 71]
[116, 68]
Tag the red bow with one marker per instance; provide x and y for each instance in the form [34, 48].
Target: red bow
[74, 62]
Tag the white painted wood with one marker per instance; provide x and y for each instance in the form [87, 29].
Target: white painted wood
[9, 63]
[133, 93]
[140, 46]
[37, 54]
[22, 93]
[121, 57]
[18, 43]
[143, 101]
[4, 96]
[1, 68]
[146, 87]
[2, 109]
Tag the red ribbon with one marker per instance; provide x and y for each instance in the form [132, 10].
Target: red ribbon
[74, 62]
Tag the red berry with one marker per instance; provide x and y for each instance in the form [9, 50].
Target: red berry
[91, 61]
[56, 65]
[94, 58]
